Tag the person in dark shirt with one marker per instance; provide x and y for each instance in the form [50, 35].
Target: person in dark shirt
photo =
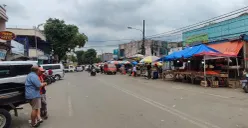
[149, 70]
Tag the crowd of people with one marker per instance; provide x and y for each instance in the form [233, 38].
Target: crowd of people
[152, 72]
[35, 93]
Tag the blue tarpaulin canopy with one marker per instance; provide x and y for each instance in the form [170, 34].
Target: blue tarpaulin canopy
[188, 52]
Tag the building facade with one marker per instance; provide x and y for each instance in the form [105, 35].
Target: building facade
[152, 47]
[227, 29]
[28, 38]
[106, 57]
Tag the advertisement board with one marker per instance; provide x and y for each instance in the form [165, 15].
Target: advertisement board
[196, 38]
[18, 48]
[6, 35]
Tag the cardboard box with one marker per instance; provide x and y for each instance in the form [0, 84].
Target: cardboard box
[204, 83]
[234, 84]
[215, 84]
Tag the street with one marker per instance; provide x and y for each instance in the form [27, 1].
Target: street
[117, 101]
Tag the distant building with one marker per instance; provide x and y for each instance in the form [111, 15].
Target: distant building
[152, 47]
[106, 57]
[4, 45]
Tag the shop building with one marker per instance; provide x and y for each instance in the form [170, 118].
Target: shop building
[106, 57]
[152, 47]
[28, 38]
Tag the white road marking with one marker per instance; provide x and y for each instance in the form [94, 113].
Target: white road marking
[181, 88]
[173, 111]
[70, 111]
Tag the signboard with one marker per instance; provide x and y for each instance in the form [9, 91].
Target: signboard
[43, 57]
[6, 35]
[2, 54]
[116, 51]
[197, 38]
[18, 48]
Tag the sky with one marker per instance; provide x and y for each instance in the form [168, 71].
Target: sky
[103, 20]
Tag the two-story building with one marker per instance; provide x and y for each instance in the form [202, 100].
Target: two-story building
[225, 36]
[152, 47]
[35, 45]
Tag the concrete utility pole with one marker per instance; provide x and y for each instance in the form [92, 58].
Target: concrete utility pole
[143, 49]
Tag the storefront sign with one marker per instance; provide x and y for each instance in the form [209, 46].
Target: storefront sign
[43, 57]
[197, 38]
[6, 35]
[18, 48]
[2, 54]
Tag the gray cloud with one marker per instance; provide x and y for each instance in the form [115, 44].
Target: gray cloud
[15, 9]
[108, 19]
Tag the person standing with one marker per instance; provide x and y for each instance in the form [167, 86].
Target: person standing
[43, 110]
[134, 71]
[32, 93]
[149, 70]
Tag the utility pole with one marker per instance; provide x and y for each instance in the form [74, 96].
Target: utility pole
[36, 45]
[143, 49]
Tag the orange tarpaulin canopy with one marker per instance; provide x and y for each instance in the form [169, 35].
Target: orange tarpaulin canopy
[229, 48]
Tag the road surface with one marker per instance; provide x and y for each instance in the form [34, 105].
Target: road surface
[117, 101]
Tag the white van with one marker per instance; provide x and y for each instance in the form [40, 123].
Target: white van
[58, 70]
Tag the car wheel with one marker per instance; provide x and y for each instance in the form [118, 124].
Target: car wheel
[57, 77]
[5, 119]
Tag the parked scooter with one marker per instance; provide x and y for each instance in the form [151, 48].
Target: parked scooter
[93, 72]
[244, 82]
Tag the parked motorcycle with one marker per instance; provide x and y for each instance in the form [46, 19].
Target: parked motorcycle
[93, 72]
[244, 85]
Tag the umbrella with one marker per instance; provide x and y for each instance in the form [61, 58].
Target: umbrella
[126, 62]
[134, 63]
[158, 63]
[149, 59]
[114, 62]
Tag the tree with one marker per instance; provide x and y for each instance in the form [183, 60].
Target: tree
[63, 37]
[90, 56]
[80, 57]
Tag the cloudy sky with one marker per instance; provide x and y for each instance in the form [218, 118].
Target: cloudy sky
[103, 20]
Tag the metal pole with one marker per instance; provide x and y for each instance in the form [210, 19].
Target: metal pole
[36, 47]
[205, 77]
[143, 51]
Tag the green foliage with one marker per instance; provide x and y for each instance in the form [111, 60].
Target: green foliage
[87, 57]
[80, 57]
[90, 56]
[63, 37]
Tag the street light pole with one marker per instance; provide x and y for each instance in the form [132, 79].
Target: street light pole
[143, 50]
[36, 46]
[36, 42]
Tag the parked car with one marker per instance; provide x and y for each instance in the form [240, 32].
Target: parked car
[79, 69]
[69, 68]
[58, 70]
[109, 69]
[12, 88]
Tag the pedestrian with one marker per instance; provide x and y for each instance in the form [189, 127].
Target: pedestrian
[134, 71]
[149, 70]
[32, 94]
[50, 72]
[43, 110]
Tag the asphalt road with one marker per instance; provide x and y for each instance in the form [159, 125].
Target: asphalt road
[116, 101]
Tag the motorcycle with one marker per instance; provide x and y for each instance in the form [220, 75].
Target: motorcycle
[93, 72]
[244, 85]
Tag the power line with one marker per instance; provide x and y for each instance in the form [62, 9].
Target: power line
[169, 33]
[204, 22]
